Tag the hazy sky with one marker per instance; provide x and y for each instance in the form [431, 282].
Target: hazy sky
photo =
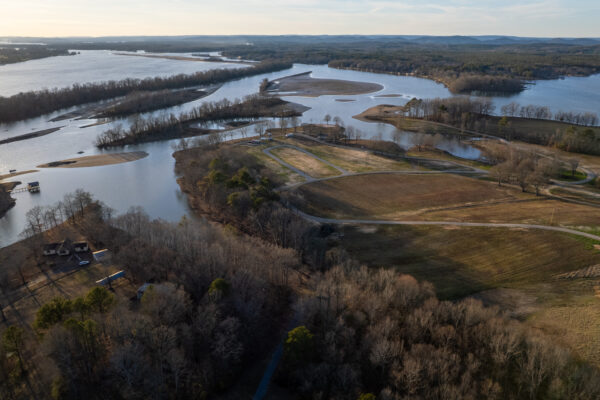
[573, 18]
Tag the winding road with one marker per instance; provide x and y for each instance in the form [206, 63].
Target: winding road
[469, 170]
[445, 223]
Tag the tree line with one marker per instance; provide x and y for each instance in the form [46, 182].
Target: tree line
[462, 67]
[10, 55]
[530, 123]
[141, 102]
[540, 112]
[32, 104]
[171, 126]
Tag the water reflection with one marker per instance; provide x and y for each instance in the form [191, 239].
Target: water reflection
[151, 182]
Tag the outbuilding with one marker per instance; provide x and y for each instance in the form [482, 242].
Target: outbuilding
[33, 187]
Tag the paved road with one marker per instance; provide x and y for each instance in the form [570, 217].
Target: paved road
[447, 223]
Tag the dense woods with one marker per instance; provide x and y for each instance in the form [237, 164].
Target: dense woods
[230, 186]
[216, 304]
[33, 104]
[382, 334]
[10, 55]
[213, 308]
[462, 67]
[171, 126]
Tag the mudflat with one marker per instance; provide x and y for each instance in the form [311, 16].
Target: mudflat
[96, 160]
[305, 85]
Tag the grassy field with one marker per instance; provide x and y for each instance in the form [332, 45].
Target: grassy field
[578, 196]
[570, 311]
[351, 160]
[537, 211]
[24, 303]
[463, 261]
[286, 175]
[305, 163]
[388, 196]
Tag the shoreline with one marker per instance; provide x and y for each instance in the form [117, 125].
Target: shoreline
[96, 160]
[304, 85]
[183, 58]
[31, 135]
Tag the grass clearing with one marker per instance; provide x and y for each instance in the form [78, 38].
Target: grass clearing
[305, 162]
[460, 261]
[352, 160]
[576, 195]
[287, 176]
[541, 211]
[388, 196]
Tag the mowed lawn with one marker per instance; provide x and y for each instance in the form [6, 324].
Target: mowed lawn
[463, 261]
[387, 196]
[305, 163]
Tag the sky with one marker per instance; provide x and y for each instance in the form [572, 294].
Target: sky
[541, 18]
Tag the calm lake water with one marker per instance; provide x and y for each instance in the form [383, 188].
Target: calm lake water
[151, 182]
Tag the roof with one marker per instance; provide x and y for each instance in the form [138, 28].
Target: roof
[100, 254]
[51, 246]
[79, 244]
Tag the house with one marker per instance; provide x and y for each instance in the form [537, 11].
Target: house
[50, 249]
[64, 248]
[33, 187]
[80, 247]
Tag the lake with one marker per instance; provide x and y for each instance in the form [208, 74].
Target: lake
[151, 182]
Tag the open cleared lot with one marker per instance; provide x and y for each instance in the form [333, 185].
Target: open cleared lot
[287, 176]
[542, 211]
[351, 160]
[305, 162]
[385, 196]
[462, 261]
